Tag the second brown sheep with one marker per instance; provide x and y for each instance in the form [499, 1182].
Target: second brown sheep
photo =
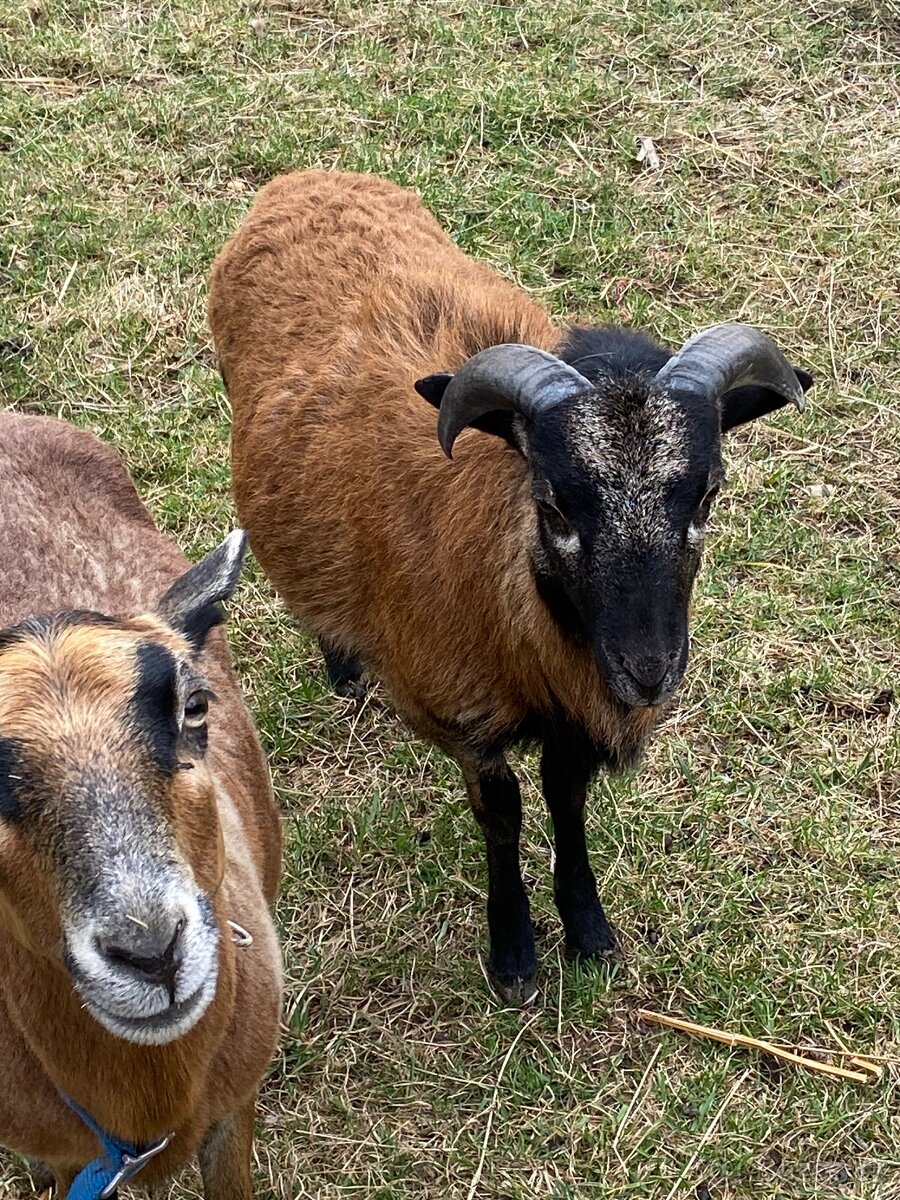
[534, 587]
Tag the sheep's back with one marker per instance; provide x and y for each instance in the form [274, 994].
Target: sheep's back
[333, 272]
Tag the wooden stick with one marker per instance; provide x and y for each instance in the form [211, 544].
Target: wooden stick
[866, 1064]
[855, 1060]
[865, 1060]
[740, 1039]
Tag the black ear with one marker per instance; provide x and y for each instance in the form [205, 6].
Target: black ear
[500, 424]
[432, 387]
[745, 404]
[192, 605]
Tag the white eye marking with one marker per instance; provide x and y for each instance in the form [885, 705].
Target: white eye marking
[695, 535]
[567, 543]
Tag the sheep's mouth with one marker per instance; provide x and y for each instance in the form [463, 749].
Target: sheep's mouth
[159, 1028]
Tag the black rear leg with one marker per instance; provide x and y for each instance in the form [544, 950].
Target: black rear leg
[567, 763]
[49, 1184]
[345, 670]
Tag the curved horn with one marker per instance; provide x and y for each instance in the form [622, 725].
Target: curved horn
[724, 357]
[509, 378]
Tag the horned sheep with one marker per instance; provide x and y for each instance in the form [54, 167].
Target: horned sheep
[536, 586]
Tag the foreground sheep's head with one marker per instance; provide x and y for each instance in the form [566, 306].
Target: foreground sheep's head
[625, 466]
[110, 850]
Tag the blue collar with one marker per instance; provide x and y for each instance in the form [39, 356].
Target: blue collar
[118, 1164]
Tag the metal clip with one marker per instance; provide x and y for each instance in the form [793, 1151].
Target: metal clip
[132, 1165]
[241, 936]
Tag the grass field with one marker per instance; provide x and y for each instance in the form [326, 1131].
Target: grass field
[753, 863]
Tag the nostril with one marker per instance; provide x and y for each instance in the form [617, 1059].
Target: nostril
[151, 956]
[648, 674]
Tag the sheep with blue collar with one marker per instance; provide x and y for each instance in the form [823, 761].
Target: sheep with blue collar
[139, 838]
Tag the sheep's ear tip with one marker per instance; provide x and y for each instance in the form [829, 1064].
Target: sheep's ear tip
[432, 387]
[233, 548]
[806, 381]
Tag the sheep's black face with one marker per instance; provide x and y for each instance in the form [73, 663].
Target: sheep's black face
[623, 473]
[623, 481]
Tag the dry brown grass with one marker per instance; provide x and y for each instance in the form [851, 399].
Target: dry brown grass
[752, 865]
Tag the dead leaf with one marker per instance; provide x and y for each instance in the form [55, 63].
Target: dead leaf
[820, 491]
[647, 153]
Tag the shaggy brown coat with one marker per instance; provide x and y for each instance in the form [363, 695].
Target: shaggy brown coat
[75, 535]
[337, 293]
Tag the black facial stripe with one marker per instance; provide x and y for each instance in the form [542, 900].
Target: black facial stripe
[153, 704]
[10, 780]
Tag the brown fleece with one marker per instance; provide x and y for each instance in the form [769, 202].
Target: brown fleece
[336, 294]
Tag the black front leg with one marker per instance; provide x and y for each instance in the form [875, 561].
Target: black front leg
[345, 670]
[567, 764]
[497, 804]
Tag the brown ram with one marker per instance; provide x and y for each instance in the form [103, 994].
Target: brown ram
[534, 587]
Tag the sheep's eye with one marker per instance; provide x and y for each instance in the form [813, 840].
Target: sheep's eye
[697, 529]
[195, 709]
[556, 523]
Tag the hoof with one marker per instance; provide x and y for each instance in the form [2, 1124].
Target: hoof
[606, 956]
[352, 689]
[515, 993]
[596, 942]
[589, 934]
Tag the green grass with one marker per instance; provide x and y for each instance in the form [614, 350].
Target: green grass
[753, 863]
